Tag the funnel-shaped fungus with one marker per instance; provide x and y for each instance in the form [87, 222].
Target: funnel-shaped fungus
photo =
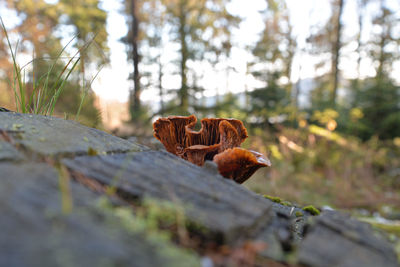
[172, 133]
[216, 135]
[239, 163]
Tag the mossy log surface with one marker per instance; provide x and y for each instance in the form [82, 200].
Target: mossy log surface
[53, 172]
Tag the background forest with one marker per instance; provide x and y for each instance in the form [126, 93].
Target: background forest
[333, 137]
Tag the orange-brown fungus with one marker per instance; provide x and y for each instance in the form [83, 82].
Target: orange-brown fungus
[217, 139]
[239, 164]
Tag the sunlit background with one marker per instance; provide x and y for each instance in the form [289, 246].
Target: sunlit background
[316, 82]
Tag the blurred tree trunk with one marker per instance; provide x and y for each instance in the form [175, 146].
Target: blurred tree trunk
[135, 95]
[384, 38]
[361, 10]
[291, 50]
[336, 51]
[160, 86]
[183, 92]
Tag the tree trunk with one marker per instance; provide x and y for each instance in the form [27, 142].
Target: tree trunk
[336, 52]
[361, 6]
[385, 35]
[184, 96]
[160, 88]
[135, 96]
[289, 62]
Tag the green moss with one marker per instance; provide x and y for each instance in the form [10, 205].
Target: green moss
[16, 126]
[92, 152]
[299, 214]
[279, 200]
[154, 220]
[287, 203]
[274, 199]
[311, 209]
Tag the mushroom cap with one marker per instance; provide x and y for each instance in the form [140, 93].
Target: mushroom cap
[239, 164]
[171, 132]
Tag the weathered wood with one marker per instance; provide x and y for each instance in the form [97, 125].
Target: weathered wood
[35, 232]
[337, 240]
[207, 198]
[54, 136]
[9, 153]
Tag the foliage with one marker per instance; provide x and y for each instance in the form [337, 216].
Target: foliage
[269, 101]
[43, 97]
[315, 165]
[375, 109]
[49, 77]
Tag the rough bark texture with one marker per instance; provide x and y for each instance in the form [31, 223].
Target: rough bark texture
[336, 234]
[52, 136]
[35, 231]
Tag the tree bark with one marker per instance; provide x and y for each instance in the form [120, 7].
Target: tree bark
[289, 61]
[135, 96]
[384, 37]
[184, 96]
[160, 87]
[336, 53]
[361, 6]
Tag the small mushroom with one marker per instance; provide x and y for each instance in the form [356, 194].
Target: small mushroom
[239, 164]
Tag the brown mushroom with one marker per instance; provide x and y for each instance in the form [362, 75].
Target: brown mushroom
[239, 163]
[218, 139]
[171, 132]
